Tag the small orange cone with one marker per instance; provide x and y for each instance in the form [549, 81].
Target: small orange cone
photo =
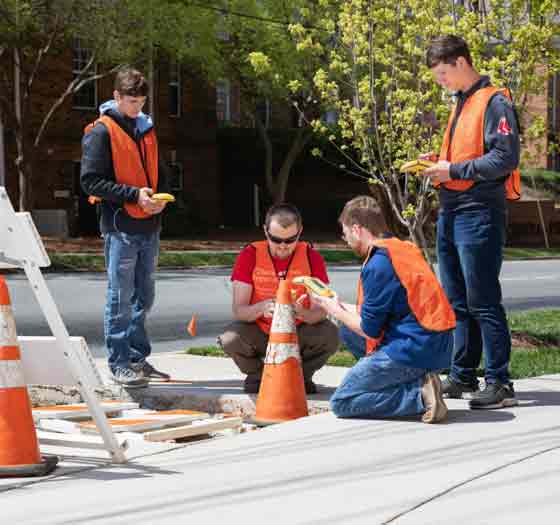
[282, 392]
[19, 449]
[191, 327]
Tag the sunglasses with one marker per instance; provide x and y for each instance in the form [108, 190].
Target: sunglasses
[280, 240]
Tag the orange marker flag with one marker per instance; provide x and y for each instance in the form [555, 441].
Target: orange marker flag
[191, 327]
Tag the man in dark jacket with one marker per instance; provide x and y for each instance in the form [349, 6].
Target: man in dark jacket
[475, 174]
[121, 167]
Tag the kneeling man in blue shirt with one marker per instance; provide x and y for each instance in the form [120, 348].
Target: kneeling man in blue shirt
[401, 329]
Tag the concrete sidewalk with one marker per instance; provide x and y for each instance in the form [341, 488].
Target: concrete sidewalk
[480, 467]
[211, 384]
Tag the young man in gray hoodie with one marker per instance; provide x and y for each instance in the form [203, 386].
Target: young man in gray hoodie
[121, 169]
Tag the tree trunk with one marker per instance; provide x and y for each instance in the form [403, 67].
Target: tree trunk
[300, 140]
[417, 236]
[24, 173]
[270, 186]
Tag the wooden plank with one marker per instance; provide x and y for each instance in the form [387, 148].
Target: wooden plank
[76, 440]
[133, 421]
[197, 428]
[80, 410]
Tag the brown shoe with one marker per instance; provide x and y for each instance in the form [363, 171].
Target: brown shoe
[436, 409]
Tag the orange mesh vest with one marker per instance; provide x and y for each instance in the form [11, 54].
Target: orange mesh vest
[468, 140]
[131, 167]
[266, 281]
[425, 296]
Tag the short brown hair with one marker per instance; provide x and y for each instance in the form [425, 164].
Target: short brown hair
[446, 50]
[131, 82]
[366, 212]
[284, 214]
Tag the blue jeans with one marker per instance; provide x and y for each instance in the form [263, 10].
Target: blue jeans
[376, 386]
[470, 253]
[131, 261]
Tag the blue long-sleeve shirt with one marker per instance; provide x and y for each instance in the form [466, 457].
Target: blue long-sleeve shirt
[501, 156]
[386, 310]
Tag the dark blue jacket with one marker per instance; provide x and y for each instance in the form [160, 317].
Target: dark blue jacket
[501, 157]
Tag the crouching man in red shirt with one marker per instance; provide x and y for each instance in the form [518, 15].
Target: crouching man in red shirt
[256, 276]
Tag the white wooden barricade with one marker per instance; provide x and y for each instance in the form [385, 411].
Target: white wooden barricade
[21, 247]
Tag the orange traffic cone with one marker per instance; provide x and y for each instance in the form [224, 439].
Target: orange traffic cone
[282, 392]
[191, 327]
[19, 449]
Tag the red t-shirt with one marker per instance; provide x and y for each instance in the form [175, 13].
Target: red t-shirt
[247, 259]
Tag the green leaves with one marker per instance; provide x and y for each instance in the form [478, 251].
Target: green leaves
[389, 109]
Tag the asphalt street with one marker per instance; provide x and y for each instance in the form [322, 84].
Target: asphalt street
[81, 296]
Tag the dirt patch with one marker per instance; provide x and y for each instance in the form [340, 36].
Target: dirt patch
[528, 342]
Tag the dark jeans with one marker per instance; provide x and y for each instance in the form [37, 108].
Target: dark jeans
[131, 261]
[470, 252]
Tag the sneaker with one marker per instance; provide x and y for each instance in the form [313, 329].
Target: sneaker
[456, 390]
[252, 384]
[495, 395]
[149, 372]
[436, 409]
[310, 387]
[129, 378]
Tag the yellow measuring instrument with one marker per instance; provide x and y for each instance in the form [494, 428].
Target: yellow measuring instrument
[314, 285]
[416, 166]
[167, 197]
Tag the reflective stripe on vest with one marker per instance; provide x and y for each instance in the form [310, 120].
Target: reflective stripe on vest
[468, 140]
[131, 167]
[266, 281]
[426, 298]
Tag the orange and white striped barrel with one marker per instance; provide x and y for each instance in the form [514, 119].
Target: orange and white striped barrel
[19, 449]
[282, 392]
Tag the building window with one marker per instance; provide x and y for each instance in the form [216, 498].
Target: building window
[223, 101]
[174, 89]
[176, 176]
[86, 97]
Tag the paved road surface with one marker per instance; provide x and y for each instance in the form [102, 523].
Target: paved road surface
[81, 296]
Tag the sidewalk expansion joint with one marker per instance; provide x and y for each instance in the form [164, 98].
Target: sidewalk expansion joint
[467, 481]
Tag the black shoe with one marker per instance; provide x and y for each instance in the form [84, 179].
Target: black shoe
[149, 372]
[251, 385]
[310, 387]
[495, 395]
[128, 378]
[455, 390]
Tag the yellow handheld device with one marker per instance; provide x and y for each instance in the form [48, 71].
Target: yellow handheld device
[314, 285]
[416, 166]
[167, 197]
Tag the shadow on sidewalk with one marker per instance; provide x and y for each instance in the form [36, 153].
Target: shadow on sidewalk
[536, 398]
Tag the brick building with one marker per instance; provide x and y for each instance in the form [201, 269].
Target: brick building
[216, 156]
[184, 110]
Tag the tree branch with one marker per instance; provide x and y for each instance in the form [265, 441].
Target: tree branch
[72, 87]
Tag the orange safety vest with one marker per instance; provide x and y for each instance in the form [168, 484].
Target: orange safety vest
[425, 296]
[468, 140]
[134, 164]
[266, 281]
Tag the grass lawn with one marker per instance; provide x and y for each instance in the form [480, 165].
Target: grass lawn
[536, 345]
[176, 259]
